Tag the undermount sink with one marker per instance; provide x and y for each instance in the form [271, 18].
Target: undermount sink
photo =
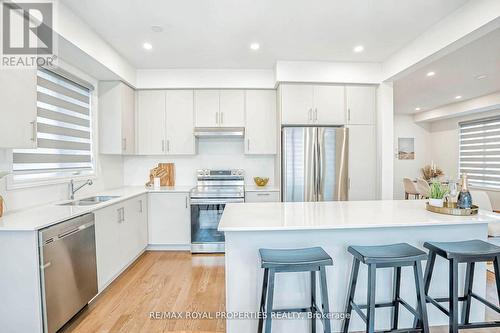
[90, 200]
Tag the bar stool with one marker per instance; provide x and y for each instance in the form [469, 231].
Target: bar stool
[294, 260]
[468, 252]
[396, 256]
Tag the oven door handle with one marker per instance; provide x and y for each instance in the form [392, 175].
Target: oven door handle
[215, 201]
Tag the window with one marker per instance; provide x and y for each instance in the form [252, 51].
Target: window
[64, 132]
[480, 152]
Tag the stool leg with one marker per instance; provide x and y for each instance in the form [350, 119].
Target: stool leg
[370, 310]
[270, 296]
[350, 294]
[395, 297]
[263, 299]
[324, 300]
[469, 279]
[453, 285]
[429, 268]
[421, 303]
[313, 301]
[496, 265]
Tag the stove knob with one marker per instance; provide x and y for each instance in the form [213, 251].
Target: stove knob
[240, 172]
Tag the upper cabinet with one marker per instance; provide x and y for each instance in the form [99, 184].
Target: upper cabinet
[116, 118]
[165, 122]
[361, 105]
[219, 108]
[303, 104]
[18, 96]
[151, 122]
[180, 122]
[260, 122]
[232, 108]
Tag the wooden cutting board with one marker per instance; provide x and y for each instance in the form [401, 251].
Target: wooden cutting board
[164, 171]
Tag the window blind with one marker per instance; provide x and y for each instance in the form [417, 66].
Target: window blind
[64, 136]
[480, 152]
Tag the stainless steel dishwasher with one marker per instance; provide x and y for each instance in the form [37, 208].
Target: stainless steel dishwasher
[68, 269]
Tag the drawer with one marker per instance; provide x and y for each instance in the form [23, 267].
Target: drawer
[262, 196]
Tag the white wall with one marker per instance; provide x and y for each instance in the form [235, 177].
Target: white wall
[212, 153]
[405, 127]
[109, 169]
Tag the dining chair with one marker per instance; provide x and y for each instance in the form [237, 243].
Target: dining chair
[482, 200]
[423, 188]
[410, 189]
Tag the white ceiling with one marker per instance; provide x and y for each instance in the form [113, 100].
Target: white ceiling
[217, 33]
[455, 75]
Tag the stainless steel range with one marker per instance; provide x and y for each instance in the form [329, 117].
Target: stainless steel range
[215, 189]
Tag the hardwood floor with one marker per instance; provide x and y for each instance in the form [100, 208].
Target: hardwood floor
[176, 281]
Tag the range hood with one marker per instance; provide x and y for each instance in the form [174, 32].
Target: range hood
[210, 132]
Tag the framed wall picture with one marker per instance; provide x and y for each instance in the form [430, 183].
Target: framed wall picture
[406, 148]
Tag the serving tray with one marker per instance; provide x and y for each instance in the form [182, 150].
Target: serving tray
[452, 209]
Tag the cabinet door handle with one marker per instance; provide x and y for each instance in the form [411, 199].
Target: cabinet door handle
[248, 144]
[349, 114]
[186, 201]
[163, 145]
[123, 214]
[315, 114]
[263, 194]
[33, 131]
[168, 145]
[222, 118]
[124, 144]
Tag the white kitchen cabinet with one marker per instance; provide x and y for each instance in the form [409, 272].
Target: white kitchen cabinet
[296, 104]
[151, 122]
[180, 122]
[362, 162]
[306, 104]
[18, 111]
[232, 108]
[108, 246]
[260, 122]
[121, 235]
[361, 105]
[169, 219]
[116, 107]
[262, 196]
[329, 105]
[206, 104]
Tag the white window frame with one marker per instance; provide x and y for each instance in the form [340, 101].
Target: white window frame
[65, 177]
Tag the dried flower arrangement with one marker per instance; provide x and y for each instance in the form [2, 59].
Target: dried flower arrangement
[430, 172]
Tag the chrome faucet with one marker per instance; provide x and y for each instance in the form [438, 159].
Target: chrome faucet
[73, 190]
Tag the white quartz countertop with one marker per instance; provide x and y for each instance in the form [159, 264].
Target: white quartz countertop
[39, 217]
[338, 215]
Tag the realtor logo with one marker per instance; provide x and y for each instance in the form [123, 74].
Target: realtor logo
[27, 34]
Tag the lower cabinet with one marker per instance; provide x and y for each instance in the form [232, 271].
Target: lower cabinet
[169, 219]
[121, 234]
[262, 196]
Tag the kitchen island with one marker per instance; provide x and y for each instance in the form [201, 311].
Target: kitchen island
[335, 226]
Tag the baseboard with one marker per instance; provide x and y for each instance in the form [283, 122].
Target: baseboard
[168, 247]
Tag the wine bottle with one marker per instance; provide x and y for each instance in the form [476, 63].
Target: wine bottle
[464, 198]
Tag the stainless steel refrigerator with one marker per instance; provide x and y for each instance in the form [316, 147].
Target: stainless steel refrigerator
[314, 163]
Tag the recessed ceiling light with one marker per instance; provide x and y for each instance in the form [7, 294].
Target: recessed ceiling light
[157, 28]
[431, 73]
[359, 48]
[255, 46]
[417, 109]
[458, 97]
[147, 46]
[480, 77]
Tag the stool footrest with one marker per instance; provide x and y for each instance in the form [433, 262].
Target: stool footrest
[479, 325]
[359, 308]
[436, 301]
[407, 330]
[485, 302]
